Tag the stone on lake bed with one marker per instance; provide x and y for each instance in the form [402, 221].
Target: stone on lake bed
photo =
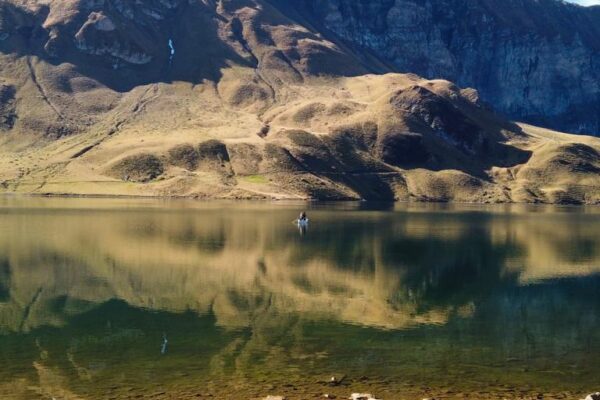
[362, 396]
[274, 398]
[335, 381]
[593, 396]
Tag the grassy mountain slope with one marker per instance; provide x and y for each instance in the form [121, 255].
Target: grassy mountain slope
[241, 99]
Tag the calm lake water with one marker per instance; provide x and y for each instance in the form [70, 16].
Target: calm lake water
[105, 299]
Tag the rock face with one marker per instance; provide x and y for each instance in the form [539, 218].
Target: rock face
[7, 107]
[263, 99]
[536, 61]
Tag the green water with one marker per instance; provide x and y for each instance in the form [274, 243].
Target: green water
[402, 300]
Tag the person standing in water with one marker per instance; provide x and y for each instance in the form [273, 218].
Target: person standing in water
[302, 223]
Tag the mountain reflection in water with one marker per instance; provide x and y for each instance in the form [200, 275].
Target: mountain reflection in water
[90, 290]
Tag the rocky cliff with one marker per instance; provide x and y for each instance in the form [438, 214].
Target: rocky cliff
[536, 61]
[253, 99]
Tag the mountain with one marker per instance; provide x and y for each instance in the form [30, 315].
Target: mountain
[252, 99]
[536, 61]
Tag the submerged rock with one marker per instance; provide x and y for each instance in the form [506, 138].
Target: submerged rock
[593, 396]
[362, 396]
[336, 381]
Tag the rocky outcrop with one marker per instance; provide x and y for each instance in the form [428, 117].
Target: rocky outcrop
[7, 106]
[536, 61]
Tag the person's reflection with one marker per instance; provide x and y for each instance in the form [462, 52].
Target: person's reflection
[163, 347]
[303, 228]
[302, 222]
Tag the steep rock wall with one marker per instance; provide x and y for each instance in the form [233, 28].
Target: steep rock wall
[537, 61]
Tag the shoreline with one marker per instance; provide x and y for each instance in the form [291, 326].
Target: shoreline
[284, 200]
[351, 390]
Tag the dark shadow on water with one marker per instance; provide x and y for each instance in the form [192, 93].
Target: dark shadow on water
[4, 280]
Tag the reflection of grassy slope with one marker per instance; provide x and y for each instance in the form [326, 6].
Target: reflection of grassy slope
[117, 345]
[290, 306]
[524, 337]
[391, 265]
[544, 339]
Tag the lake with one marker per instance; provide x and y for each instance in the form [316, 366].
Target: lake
[140, 298]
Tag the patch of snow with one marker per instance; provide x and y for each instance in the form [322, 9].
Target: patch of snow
[172, 51]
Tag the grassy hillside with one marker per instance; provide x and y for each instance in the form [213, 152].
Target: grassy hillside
[251, 102]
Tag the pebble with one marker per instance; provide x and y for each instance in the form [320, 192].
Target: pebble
[362, 396]
[335, 381]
